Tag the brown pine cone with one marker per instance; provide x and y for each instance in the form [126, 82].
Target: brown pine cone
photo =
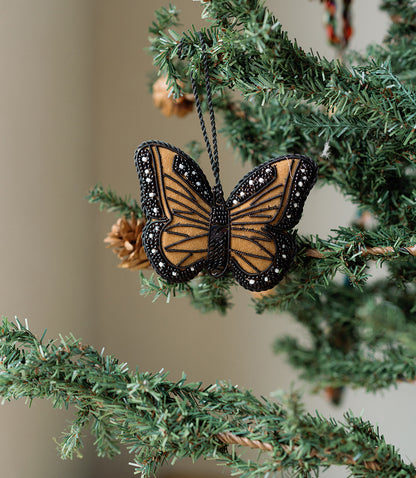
[125, 239]
[163, 99]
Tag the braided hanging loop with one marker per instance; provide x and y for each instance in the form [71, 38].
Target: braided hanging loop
[212, 150]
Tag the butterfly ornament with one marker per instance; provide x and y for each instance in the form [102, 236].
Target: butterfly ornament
[191, 228]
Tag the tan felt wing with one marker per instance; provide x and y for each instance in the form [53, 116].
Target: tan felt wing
[267, 202]
[176, 199]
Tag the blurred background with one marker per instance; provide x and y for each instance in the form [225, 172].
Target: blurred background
[74, 104]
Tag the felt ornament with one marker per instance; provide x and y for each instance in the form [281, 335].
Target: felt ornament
[191, 228]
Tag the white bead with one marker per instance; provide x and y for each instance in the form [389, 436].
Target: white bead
[161, 264]
[277, 271]
[152, 195]
[198, 183]
[151, 236]
[242, 194]
[174, 274]
[284, 256]
[296, 204]
[251, 281]
[297, 194]
[261, 180]
[266, 279]
[148, 180]
[192, 269]
[251, 182]
[300, 183]
[181, 166]
[235, 201]
[147, 171]
[154, 251]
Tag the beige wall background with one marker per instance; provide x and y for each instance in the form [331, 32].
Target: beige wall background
[74, 104]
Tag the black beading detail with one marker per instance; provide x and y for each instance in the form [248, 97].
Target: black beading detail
[304, 180]
[148, 184]
[251, 184]
[219, 239]
[193, 176]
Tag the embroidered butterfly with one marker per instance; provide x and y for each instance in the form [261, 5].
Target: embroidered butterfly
[190, 228]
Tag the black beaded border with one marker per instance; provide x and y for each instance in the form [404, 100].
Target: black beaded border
[252, 183]
[304, 179]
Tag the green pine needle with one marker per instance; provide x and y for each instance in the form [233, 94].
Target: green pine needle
[159, 420]
[110, 201]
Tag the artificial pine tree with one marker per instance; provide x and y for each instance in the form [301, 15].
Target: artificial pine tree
[358, 122]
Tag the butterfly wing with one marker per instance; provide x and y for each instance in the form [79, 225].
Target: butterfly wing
[176, 200]
[266, 203]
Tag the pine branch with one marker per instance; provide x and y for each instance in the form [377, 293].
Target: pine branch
[160, 287]
[398, 47]
[374, 110]
[405, 10]
[109, 200]
[206, 293]
[213, 294]
[328, 367]
[361, 339]
[369, 251]
[159, 420]
[260, 132]
[166, 17]
[264, 62]
[348, 252]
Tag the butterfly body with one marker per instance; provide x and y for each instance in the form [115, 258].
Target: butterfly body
[191, 228]
[219, 237]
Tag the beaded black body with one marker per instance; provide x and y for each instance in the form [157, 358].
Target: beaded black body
[219, 236]
[191, 228]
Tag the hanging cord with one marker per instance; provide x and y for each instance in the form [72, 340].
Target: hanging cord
[212, 151]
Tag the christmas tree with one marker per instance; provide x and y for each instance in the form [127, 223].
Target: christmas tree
[355, 117]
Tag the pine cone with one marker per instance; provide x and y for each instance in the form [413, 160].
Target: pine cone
[125, 239]
[163, 99]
